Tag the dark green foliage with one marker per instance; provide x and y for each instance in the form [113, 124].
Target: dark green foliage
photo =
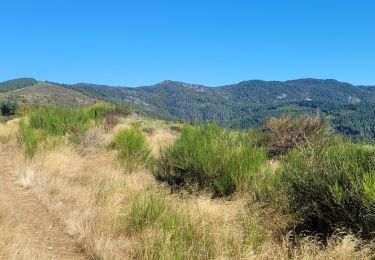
[16, 84]
[330, 186]
[8, 108]
[247, 103]
[132, 147]
[212, 158]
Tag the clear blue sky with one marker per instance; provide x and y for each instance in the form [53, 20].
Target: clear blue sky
[210, 42]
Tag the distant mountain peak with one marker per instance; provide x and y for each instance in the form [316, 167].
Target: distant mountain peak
[167, 81]
[172, 83]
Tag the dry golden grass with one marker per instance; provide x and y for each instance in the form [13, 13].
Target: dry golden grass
[14, 244]
[100, 205]
[160, 139]
[8, 130]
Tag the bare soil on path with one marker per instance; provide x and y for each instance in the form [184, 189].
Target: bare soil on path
[27, 229]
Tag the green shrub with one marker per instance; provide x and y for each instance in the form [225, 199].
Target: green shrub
[175, 235]
[59, 120]
[180, 237]
[8, 108]
[211, 158]
[110, 113]
[64, 120]
[99, 110]
[30, 138]
[332, 186]
[146, 210]
[132, 147]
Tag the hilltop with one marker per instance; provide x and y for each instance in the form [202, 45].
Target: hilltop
[31, 92]
[16, 84]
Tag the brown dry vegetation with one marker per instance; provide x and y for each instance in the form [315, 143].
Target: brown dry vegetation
[47, 94]
[114, 214]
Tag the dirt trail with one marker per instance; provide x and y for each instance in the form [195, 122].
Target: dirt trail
[27, 229]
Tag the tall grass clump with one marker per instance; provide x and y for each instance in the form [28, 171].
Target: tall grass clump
[30, 138]
[146, 209]
[168, 233]
[65, 120]
[59, 121]
[332, 187]
[211, 158]
[132, 147]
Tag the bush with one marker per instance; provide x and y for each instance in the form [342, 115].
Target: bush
[64, 120]
[286, 133]
[59, 120]
[211, 158]
[30, 138]
[332, 186]
[132, 147]
[110, 114]
[99, 110]
[112, 118]
[8, 108]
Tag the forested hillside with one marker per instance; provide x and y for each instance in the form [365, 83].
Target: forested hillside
[247, 103]
[16, 84]
[349, 108]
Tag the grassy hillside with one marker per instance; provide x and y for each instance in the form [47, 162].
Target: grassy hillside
[16, 84]
[47, 94]
[161, 190]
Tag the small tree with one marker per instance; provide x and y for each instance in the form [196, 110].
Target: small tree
[8, 108]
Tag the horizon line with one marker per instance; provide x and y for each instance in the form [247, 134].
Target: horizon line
[184, 82]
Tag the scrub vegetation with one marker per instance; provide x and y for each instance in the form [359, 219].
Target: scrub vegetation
[124, 186]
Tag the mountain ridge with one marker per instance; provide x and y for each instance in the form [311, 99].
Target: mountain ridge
[350, 108]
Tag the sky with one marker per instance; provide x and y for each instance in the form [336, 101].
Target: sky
[139, 42]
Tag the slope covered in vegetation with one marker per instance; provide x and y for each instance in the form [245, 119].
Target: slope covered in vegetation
[349, 107]
[16, 84]
[46, 94]
[125, 186]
